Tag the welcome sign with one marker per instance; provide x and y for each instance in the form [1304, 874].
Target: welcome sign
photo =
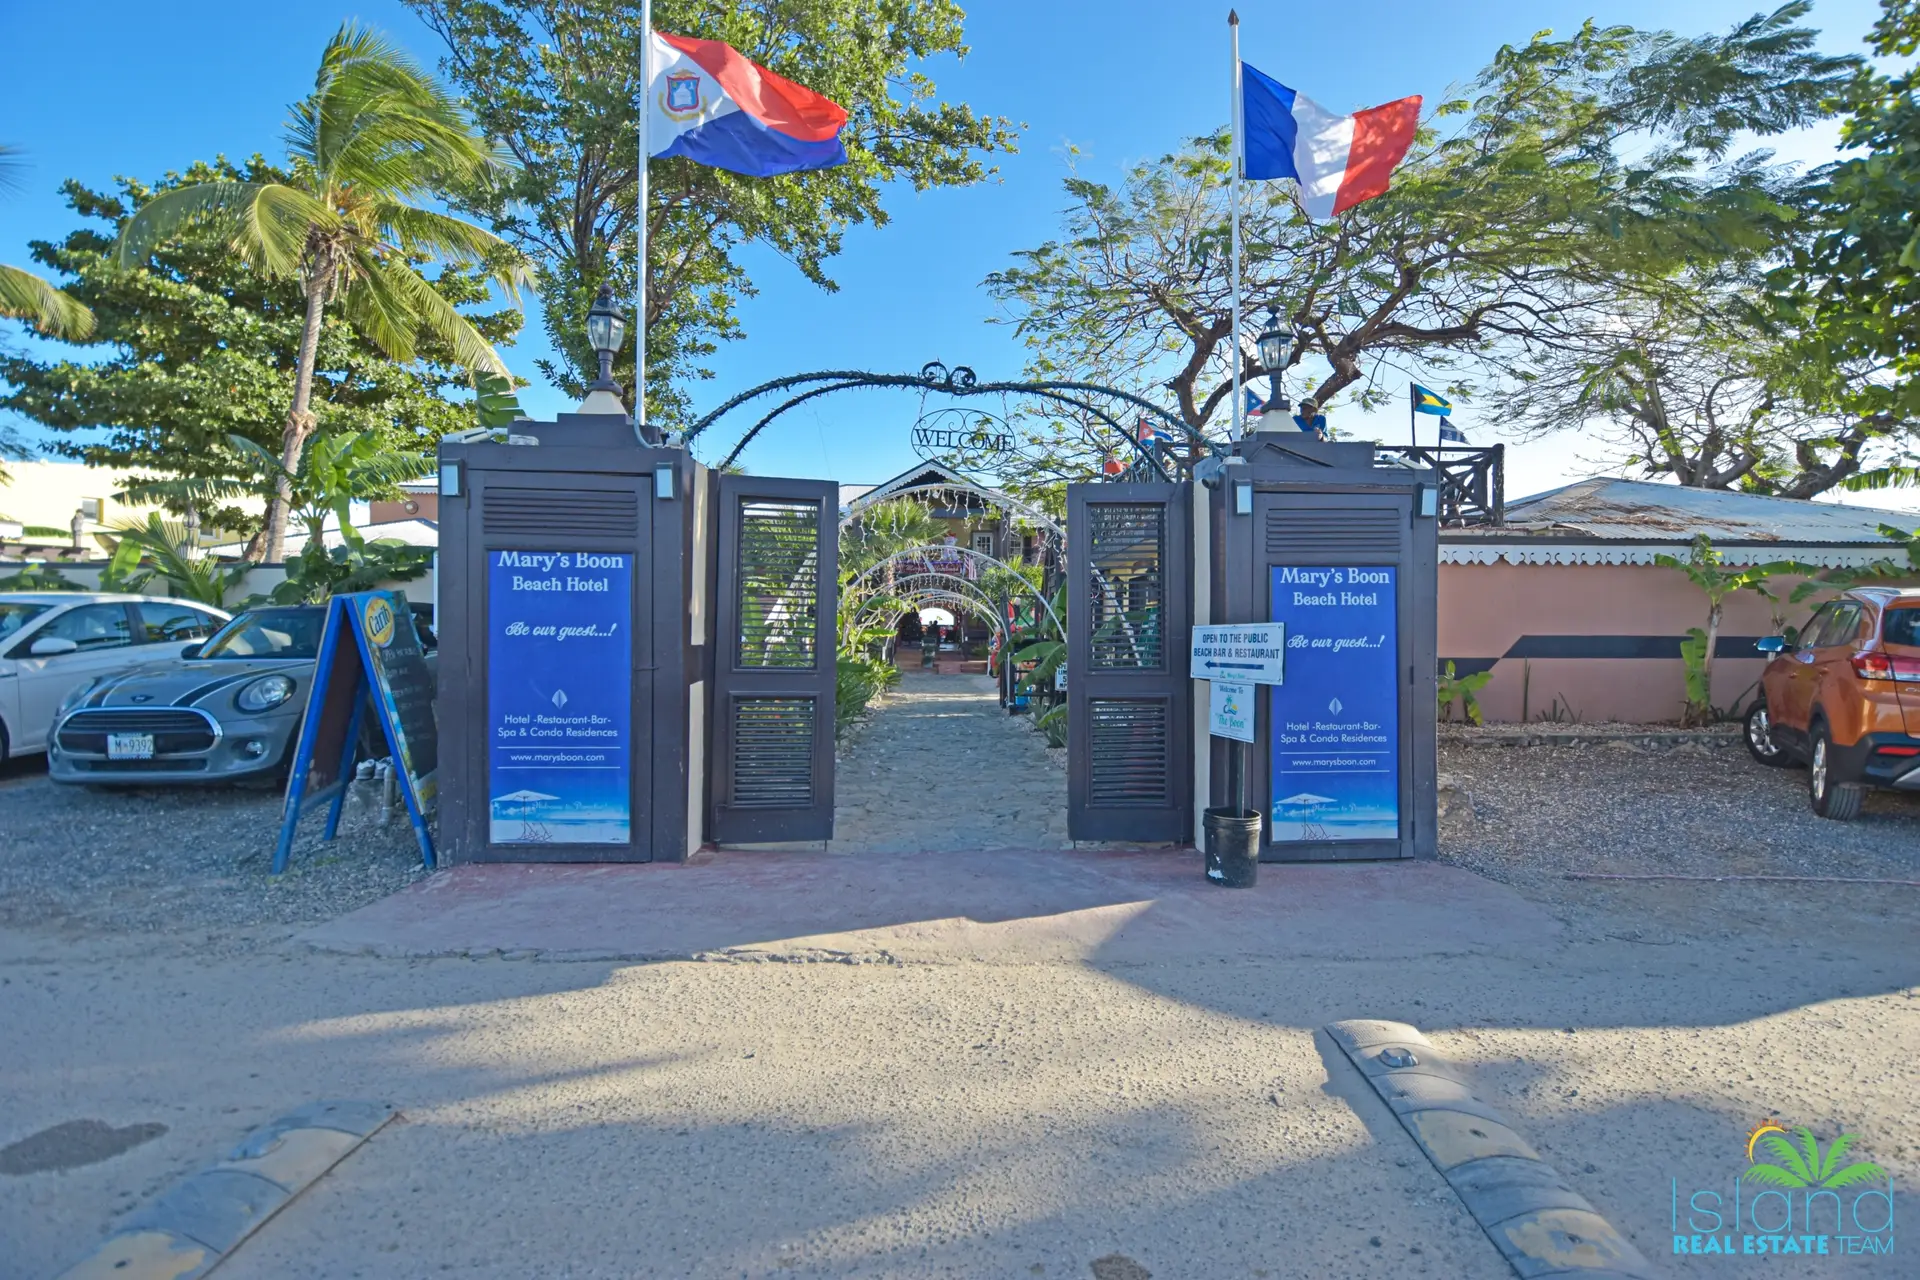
[559, 697]
[1336, 722]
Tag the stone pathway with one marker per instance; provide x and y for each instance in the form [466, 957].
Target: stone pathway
[939, 767]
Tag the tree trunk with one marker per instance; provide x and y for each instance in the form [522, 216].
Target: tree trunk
[1705, 712]
[299, 422]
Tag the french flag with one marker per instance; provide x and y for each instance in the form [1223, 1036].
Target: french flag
[708, 103]
[1337, 160]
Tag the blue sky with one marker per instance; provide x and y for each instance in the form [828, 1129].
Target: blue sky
[133, 89]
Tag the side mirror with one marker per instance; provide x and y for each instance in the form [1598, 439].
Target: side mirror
[191, 650]
[1771, 644]
[52, 647]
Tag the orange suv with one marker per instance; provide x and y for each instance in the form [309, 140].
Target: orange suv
[1843, 699]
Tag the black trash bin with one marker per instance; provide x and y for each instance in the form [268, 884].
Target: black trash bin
[1233, 847]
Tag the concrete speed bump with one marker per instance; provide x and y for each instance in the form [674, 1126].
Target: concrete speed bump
[199, 1221]
[1542, 1226]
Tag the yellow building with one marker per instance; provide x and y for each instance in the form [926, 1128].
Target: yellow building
[51, 495]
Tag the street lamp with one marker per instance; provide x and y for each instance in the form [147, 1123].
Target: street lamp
[1275, 344]
[606, 326]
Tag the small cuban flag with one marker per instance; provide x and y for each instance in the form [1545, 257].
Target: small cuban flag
[708, 103]
[1338, 161]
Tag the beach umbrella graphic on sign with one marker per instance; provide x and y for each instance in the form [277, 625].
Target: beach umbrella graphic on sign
[530, 831]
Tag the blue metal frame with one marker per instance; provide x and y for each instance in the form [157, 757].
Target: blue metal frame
[298, 804]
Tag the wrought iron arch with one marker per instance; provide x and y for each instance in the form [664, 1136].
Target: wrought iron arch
[925, 554]
[961, 381]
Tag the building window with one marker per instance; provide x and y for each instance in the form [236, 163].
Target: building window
[90, 509]
[983, 543]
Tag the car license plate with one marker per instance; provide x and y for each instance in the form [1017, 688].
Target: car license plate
[129, 746]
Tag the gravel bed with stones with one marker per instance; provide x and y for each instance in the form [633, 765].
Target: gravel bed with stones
[151, 859]
[1530, 816]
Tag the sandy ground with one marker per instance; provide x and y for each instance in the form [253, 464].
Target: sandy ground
[1168, 1111]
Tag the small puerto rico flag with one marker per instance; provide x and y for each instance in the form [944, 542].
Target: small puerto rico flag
[708, 103]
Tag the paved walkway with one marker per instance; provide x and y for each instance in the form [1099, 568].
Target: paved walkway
[941, 768]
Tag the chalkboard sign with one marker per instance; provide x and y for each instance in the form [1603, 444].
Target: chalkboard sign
[371, 659]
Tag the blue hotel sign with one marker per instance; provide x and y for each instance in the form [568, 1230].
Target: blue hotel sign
[1336, 721]
[559, 697]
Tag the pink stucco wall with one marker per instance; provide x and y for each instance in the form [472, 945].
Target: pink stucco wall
[1486, 609]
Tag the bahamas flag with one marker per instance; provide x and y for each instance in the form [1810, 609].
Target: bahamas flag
[708, 103]
[1425, 401]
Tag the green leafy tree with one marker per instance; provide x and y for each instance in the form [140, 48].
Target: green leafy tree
[375, 137]
[25, 296]
[1855, 284]
[556, 85]
[197, 346]
[1806, 1165]
[1575, 164]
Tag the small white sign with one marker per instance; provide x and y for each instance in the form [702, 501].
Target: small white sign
[1060, 678]
[1253, 651]
[1231, 709]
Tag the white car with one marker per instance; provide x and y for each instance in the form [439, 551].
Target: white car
[53, 641]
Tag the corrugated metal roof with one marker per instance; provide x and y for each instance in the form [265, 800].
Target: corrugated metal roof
[1644, 511]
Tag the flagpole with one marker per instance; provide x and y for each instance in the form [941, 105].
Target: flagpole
[640, 310]
[1239, 408]
[1413, 417]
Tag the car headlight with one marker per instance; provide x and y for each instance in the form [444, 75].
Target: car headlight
[76, 696]
[264, 694]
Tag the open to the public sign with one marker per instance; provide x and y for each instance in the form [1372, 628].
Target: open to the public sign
[559, 697]
[1253, 652]
[1336, 723]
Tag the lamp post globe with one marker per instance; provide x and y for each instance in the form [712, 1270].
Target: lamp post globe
[1275, 343]
[606, 327]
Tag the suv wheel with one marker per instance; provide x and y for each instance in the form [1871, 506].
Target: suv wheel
[1761, 744]
[1830, 797]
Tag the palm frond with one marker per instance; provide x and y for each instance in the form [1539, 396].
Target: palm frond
[379, 310]
[200, 490]
[25, 296]
[1772, 1175]
[1789, 1155]
[1830, 1159]
[456, 240]
[434, 314]
[220, 204]
[277, 224]
[1857, 1172]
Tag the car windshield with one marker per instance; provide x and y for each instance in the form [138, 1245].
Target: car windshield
[1902, 626]
[15, 614]
[269, 633]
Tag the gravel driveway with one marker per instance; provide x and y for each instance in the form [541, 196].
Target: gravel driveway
[1531, 816]
[144, 859]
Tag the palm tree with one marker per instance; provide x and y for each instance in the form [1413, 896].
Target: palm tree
[375, 136]
[1807, 1167]
[25, 296]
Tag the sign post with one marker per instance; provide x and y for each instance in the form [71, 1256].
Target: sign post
[371, 659]
[1233, 659]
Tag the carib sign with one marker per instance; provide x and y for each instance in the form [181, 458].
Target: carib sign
[1336, 721]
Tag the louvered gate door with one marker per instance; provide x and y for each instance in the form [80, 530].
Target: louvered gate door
[1129, 616]
[774, 660]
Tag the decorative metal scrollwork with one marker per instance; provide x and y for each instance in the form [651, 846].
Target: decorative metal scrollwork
[940, 378]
